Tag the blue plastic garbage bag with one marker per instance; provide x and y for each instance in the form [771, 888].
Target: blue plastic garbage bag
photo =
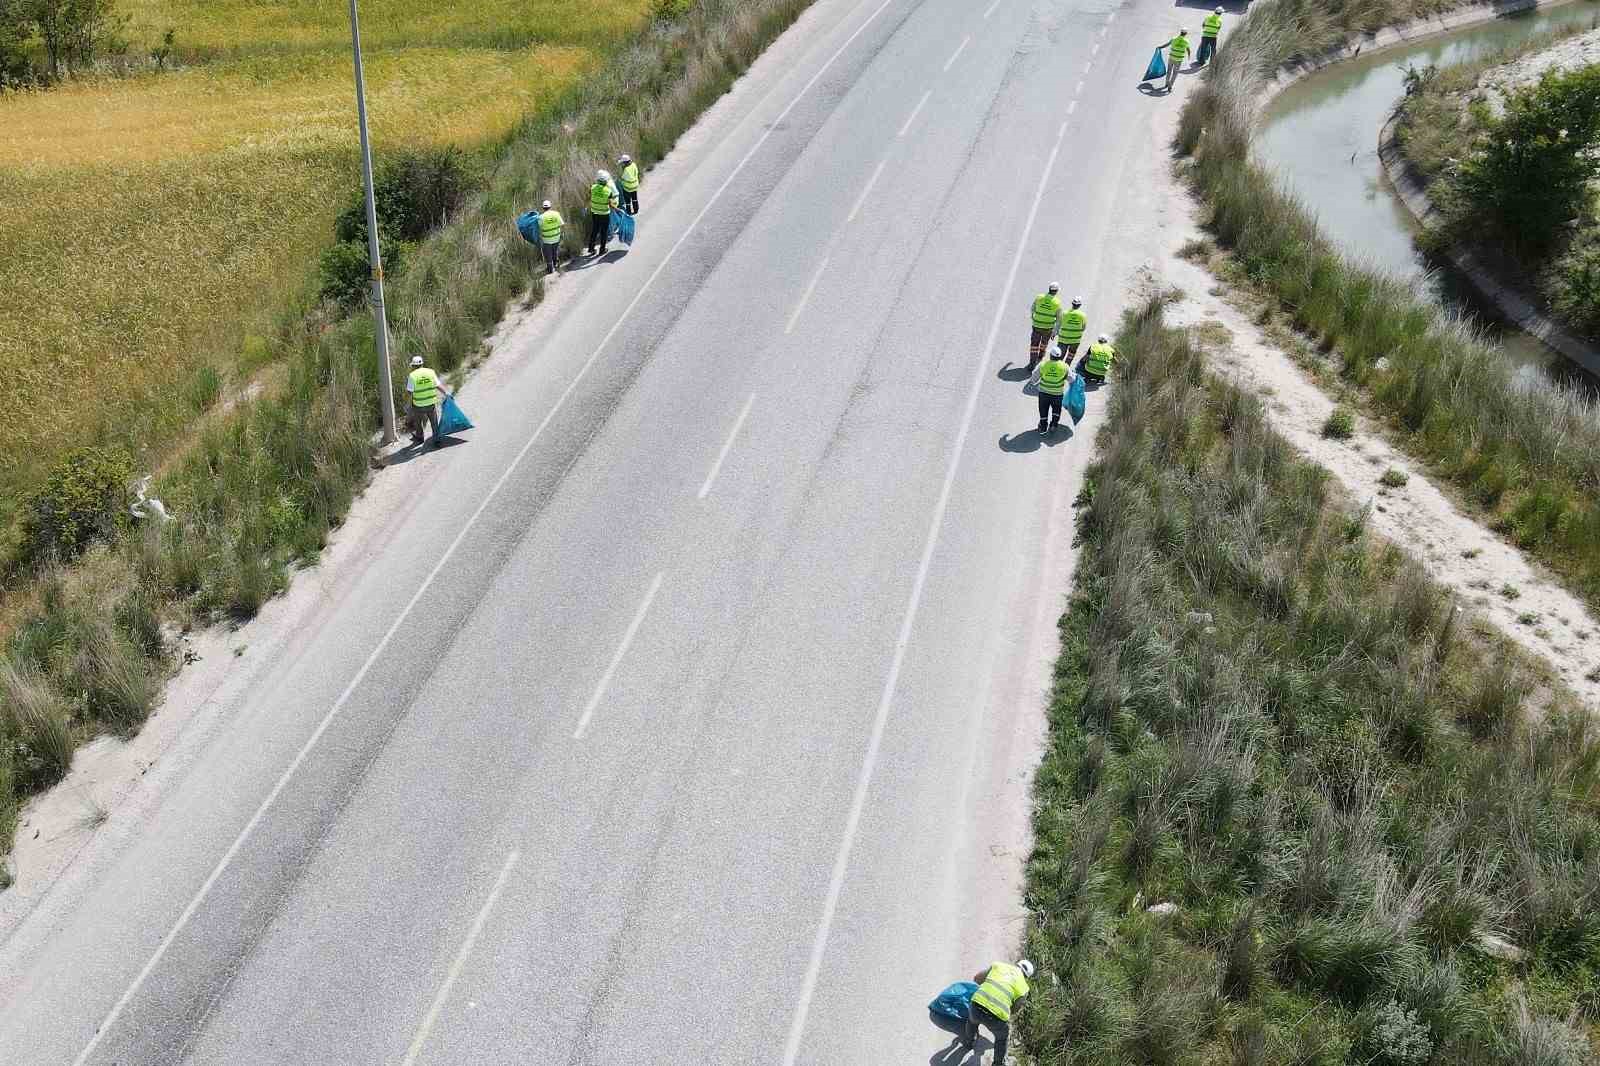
[622, 226]
[528, 226]
[1157, 67]
[1077, 399]
[953, 1002]
[451, 419]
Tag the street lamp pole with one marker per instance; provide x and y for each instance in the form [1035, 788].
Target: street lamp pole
[385, 379]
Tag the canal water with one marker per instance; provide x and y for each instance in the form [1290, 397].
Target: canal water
[1321, 137]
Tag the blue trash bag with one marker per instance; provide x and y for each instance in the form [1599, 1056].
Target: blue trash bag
[622, 225]
[451, 419]
[1157, 67]
[528, 226]
[953, 1002]
[1077, 399]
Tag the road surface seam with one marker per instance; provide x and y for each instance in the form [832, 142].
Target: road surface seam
[189, 910]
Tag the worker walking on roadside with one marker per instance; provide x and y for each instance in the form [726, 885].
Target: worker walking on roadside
[602, 198]
[1208, 36]
[1073, 324]
[422, 389]
[628, 181]
[1054, 374]
[1000, 989]
[1097, 364]
[1177, 52]
[550, 226]
[1046, 316]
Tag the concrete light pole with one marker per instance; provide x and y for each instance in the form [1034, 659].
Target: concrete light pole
[385, 379]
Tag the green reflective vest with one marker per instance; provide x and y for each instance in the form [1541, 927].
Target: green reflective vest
[1053, 376]
[1046, 309]
[630, 178]
[600, 198]
[1211, 26]
[1073, 323]
[424, 387]
[1001, 988]
[1099, 359]
[550, 227]
[1177, 48]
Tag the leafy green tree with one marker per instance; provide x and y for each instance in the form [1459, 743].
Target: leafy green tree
[16, 68]
[1533, 172]
[73, 32]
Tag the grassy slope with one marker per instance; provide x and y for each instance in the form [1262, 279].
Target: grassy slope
[160, 224]
[1265, 716]
[262, 484]
[1527, 454]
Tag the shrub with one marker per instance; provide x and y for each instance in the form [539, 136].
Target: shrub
[1393, 478]
[82, 501]
[346, 272]
[1572, 282]
[39, 722]
[670, 10]
[413, 192]
[1340, 424]
[1393, 1036]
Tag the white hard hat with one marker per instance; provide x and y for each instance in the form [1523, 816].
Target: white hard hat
[1104, 339]
[1054, 287]
[547, 205]
[1077, 302]
[1026, 967]
[1219, 9]
[601, 175]
[623, 158]
[416, 360]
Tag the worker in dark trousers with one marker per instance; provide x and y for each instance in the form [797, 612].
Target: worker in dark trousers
[1045, 315]
[1054, 374]
[602, 199]
[1001, 988]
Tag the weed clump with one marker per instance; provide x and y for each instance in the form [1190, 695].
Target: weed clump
[1339, 425]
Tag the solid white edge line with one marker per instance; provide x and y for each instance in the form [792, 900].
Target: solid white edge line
[1071, 107]
[460, 961]
[914, 113]
[991, 10]
[962, 47]
[841, 863]
[1095, 50]
[866, 190]
[727, 447]
[805, 297]
[1078, 90]
[616, 660]
[255, 819]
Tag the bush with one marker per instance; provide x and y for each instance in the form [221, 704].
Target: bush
[1393, 478]
[84, 500]
[1341, 424]
[670, 10]
[1393, 1036]
[413, 193]
[1531, 172]
[346, 271]
[1572, 282]
[16, 68]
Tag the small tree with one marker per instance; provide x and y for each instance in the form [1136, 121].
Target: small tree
[73, 32]
[16, 68]
[1533, 172]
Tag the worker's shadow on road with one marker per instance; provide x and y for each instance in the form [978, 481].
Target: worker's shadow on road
[584, 263]
[1032, 440]
[1013, 373]
[417, 451]
[953, 1054]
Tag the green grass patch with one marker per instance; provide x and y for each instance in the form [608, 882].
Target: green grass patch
[1278, 723]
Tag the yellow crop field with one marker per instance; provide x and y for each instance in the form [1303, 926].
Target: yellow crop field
[153, 223]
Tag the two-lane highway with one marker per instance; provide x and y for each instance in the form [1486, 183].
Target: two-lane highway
[686, 713]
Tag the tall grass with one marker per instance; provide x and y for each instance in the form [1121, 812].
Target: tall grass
[1527, 453]
[1258, 722]
[265, 481]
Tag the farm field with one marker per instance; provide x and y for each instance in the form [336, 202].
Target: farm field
[158, 225]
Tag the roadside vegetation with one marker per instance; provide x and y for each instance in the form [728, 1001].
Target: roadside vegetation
[91, 593]
[1527, 454]
[1294, 806]
[1516, 179]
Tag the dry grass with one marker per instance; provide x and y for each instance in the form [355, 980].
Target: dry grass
[158, 226]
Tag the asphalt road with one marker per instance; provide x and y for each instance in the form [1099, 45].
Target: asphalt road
[685, 712]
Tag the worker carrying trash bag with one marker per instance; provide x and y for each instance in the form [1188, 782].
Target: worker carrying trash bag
[1054, 374]
[1000, 990]
[602, 201]
[1177, 52]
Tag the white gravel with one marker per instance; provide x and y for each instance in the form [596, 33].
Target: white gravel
[1496, 83]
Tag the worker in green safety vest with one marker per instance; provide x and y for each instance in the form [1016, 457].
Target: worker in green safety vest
[422, 391]
[602, 198]
[1177, 52]
[1097, 364]
[1000, 989]
[1046, 315]
[1054, 373]
[1073, 324]
[1209, 29]
[550, 225]
[628, 183]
